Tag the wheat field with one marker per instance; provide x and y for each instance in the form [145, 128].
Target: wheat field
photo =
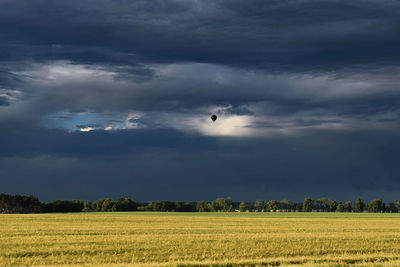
[200, 239]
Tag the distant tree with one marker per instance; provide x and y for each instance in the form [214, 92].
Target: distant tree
[250, 207]
[180, 206]
[185, 207]
[88, 206]
[308, 204]
[221, 204]
[397, 203]
[299, 207]
[287, 205]
[99, 204]
[77, 205]
[63, 206]
[19, 204]
[202, 206]
[149, 207]
[393, 208]
[332, 205]
[242, 206]
[107, 204]
[124, 204]
[30, 204]
[284, 204]
[340, 207]
[375, 205]
[259, 205]
[218, 204]
[229, 204]
[210, 206]
[273, 205]
[164, 206]
[348, 207]
[360, 205]
[322, 204]
[189, 206]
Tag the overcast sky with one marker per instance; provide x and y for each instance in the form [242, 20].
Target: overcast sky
[113, 99]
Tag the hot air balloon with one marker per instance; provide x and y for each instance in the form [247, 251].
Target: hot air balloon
[213, 117]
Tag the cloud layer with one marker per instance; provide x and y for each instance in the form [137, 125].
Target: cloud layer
[120, 92]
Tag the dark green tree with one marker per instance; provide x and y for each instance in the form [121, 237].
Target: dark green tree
[375, 205]
[322, 204]
[250, 206]
[348, 207]
[242, 207]
[287, 205]
[149, 206]
[107, 204]
[393, 208]
[340, 207]
[202, 206]
[273, 205]
[360, 205]
[229, 204]
[218, 205]
[20, 204]
[88, 206]
[164, 206]
[308, 204]
[259, 205]
[221, 204]
[332, 205]
[185, 207]
[299, 207]
[397, 203]
[124, 204]
[63, 206]
[284, 204]
[99, 204]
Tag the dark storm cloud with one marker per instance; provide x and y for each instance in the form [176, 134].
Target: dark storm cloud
[8, 79]
[4, 101]
[313, 83]
[273, 35]
[126, 37]
[154, 165]
[237, 110]
[192, 88]
[96, 143]
[134, 120]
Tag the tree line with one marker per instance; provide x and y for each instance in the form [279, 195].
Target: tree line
[31, 204]
[321, 205]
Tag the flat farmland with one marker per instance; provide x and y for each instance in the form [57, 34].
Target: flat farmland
[200, 239]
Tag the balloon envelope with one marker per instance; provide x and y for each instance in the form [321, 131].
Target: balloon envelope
[213, 117]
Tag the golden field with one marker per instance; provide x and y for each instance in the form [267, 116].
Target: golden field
[200, 239]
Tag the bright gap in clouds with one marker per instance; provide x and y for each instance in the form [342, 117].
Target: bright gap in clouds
[226, 125]
[183, 96]
[84, 121]
[87, 129]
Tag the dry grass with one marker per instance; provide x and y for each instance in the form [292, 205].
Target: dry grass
[157, 239]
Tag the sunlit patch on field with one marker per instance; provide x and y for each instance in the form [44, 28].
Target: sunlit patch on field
[160, 239]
